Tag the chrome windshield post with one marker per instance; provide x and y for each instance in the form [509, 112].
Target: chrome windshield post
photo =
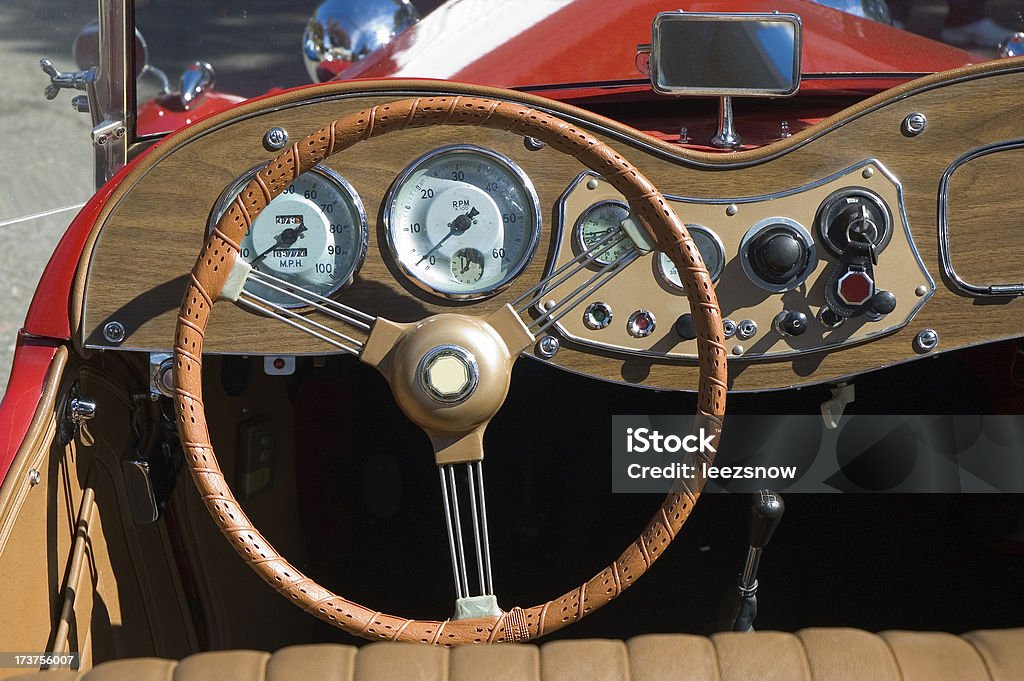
[114, 123]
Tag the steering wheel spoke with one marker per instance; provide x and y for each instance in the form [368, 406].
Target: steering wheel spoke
[479, 601]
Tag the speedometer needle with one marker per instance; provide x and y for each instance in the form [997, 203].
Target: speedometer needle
[285, 238]
[457, 226]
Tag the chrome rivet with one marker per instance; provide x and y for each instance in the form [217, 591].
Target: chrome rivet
[597, 316]
[920, 290]
[729, 328]
[548, 304]
[591, 184]
[737, 349]
[868, 173]
[914, 124]
[746, 329]
[114, 332]
[533, 144]
[34, 478]
[275, 139]
[548, 347]
[732, 209]
[926, 341]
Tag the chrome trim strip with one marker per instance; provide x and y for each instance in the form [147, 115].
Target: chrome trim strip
[945, 257]
[508, 164]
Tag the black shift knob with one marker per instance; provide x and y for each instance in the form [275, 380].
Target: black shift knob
[766, 509]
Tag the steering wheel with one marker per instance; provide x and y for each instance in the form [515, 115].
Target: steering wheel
[449, 373]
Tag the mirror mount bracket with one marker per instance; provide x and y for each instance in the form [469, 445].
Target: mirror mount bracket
[726, 137]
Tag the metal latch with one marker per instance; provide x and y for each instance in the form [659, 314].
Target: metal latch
[77, 411]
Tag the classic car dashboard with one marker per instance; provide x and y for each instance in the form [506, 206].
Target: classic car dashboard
[825, 248]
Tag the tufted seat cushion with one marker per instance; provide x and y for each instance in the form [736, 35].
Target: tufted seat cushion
[808, 655]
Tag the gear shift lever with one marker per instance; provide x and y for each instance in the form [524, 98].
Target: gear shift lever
[739, 607]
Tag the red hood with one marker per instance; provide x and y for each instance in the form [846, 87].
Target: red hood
[546, 42]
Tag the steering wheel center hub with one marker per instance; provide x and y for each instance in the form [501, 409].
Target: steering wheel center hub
[449, 374]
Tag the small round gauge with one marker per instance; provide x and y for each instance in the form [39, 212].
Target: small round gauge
[711, 249]
[462, 221]
[313, 235]
[596, 223]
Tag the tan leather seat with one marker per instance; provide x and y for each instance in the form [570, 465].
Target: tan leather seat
[808, 655]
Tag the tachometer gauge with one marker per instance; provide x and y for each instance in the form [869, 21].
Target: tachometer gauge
[462, 222]
[596, 223]
[313, 235]
[711, 250]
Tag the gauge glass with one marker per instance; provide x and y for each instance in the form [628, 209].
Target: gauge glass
[596, 223]
[313, 235]
[711, 250]
[462, 221]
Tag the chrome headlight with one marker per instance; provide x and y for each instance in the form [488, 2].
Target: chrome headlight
[347, 30]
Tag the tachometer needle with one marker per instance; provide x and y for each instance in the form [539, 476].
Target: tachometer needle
[457, 226]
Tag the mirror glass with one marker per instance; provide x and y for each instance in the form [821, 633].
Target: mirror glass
[722, 54]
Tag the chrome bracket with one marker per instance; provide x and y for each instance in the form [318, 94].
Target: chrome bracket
[107, 131]
[726, 137]
[73, 80]
[77, 411]
[161, 379]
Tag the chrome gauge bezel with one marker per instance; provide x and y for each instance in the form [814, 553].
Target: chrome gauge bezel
[716, 273]
[577, 228]
[526, 184]
[344, 187]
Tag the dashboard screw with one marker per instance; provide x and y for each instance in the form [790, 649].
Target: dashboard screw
[591, 184]
[914, 124]
[920, 290]
[548, 346]
[114, 332]
[732, 209]
[737, 349]
[868, 173]
[926, 341]
[275, 139]
[34, 478]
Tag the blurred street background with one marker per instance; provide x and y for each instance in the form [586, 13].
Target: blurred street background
[46, 162]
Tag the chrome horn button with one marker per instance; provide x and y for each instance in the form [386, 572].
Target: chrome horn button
[448, 374]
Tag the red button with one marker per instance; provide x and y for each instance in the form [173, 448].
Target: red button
[855, 288]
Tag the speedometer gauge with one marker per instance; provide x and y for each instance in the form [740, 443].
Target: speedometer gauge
[462, 221]
[313, 235]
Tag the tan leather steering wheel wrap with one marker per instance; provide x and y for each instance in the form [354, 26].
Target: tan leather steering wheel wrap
[218, 256]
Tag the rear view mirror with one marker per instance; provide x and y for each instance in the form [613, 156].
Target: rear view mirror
[725, 55]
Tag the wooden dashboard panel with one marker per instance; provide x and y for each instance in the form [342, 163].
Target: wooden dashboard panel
[145, 242]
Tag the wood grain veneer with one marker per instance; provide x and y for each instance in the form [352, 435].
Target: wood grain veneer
[146, 241]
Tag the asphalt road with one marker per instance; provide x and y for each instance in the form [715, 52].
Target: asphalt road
[46, 161]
